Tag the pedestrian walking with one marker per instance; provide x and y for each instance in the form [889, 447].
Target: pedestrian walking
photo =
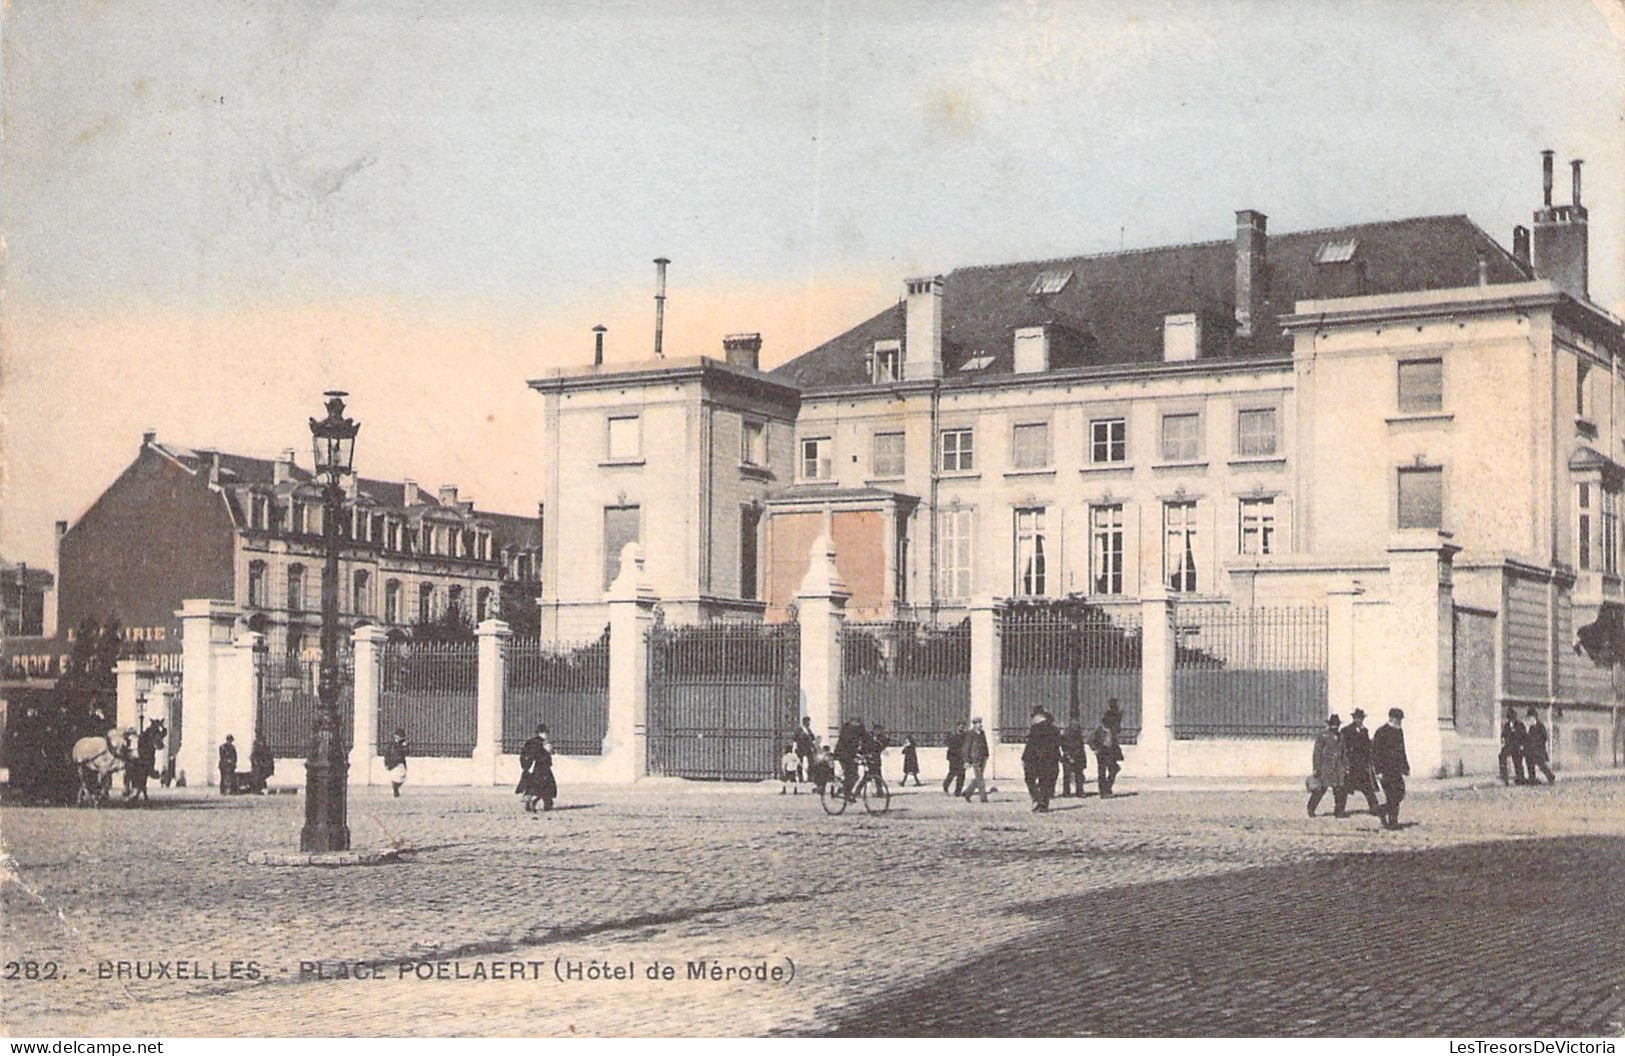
[1513, 739]
[911, 761]
[395, 760]
[976, 755]
[806, 747]
[1041, 758]
[1388, 758]
[536, 780]
[1074, 759]
[1108, 752]
[146, 755]
[1357, 759]
[956, 762]
[261, 765]
[1330, 770]
[1536, 750]
[790, 770]
[228, 766]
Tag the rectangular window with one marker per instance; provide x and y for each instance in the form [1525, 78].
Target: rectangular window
[1257, 526]
[958, 451]
[955, 548]
[817, 459]
[1181, 437]
[296, 588]
[1255, 432]
[1108, 441]
[1106, 549]
[1584, 502]
[887, 460]
[750, 520]
[625, 439]
[1029, 446]
[1031, 562]
[620, 528]
[1609, 544]
[1179, 546]
[1421, 497]
[753, 443]
[1421, 386]
[256, 584]
[392, 601]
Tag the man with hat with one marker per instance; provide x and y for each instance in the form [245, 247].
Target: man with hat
[1388, 758]
[1512, 744]
[1535, 755]
[1357, 760]
[1041, 759]
[1329, 770]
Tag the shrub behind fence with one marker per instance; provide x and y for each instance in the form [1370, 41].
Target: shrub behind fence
[912, 678]
[1072, 662]
[565, 685]
[432, 692]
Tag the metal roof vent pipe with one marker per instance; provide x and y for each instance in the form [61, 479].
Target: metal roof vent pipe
[660, 304]
[598, 344]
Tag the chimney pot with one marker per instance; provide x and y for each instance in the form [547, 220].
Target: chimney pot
[409, 488]
[61, 529]
[148, 437]
[448, 494]
[598, 344]
[660, 304]
[743, 350]
[1574, 167]
[1546, 176]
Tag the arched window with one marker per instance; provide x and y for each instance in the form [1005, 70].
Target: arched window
[454, 600]
[361, 593]
[482, 605]
[296, 588]
[392, 601]
[256, 584]
[425, 602]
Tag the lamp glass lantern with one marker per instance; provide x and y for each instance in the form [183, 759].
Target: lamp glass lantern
[333, 439]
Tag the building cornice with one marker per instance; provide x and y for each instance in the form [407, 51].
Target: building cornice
[702, 369]
[1070, 376]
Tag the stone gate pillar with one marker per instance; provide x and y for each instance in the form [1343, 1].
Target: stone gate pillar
[986, 668]
[206, 624]
[1158, 646]
[821, 609]
[1421, 653]
[631, 614]
[493, 638]
[369, 655]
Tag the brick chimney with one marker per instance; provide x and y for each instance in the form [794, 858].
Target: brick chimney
[148, 437]
[448, 495]
[1252, 270]
[211, 462]
[743, 350]
[1559, 249]
[410, 497]
[922, 335]
[282, 469]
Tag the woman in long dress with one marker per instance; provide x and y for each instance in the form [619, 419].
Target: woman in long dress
[536, 772]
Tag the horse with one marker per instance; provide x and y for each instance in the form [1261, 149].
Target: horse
[97, 760]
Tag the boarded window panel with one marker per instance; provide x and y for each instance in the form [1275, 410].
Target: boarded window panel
[624, 439]
[750, 519]
[888, 455]
[1421, 497]
[1181, 438]
[1421, 386]
[1030, 446]
[620, 528]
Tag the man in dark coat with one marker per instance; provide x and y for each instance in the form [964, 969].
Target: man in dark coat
[1329, 768]
[1535, 749]
[1512, 748]
[848, 747]
[1392, 766]
[1107, 754]
[806, 747]
[1357, 758]
[261, 764]
[956, 762]
[228, 766]
[146, 754]
[976, 755]
[1074, 759]
[536, 771]
[1041, 759]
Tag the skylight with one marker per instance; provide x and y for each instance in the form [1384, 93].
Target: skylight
[1048, 282]
[1337, 252]
[979, 361]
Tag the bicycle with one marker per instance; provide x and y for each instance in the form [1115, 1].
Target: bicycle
[871, 787]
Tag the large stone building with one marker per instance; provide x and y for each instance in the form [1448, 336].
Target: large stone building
[1250, 419]
[181, 523]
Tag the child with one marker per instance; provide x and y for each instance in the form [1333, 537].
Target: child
[823, 769]
[911, 761]
[789, 771]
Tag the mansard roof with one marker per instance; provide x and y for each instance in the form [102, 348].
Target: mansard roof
[1116, 302]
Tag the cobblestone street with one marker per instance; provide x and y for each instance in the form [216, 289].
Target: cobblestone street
[1499, 911]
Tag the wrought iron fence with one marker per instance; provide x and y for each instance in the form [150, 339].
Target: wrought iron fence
[430, 690]
[288, 702]
[1073, 661]
[913, 678]
[724, 699]
[1249, 672]
[564, 684]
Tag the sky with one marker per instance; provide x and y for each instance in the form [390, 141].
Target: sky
[212, 211]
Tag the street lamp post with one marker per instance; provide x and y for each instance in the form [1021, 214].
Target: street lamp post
[327, 767]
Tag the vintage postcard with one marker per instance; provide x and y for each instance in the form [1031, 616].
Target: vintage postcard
[824, 519]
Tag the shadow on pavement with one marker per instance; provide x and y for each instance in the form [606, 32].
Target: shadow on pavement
[1514, 938]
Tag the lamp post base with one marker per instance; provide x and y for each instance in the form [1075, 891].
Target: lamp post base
[326, 825]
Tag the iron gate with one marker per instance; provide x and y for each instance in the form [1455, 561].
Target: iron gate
[724, 699]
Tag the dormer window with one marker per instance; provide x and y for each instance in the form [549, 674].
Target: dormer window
[886, 362]
[1050, 282]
